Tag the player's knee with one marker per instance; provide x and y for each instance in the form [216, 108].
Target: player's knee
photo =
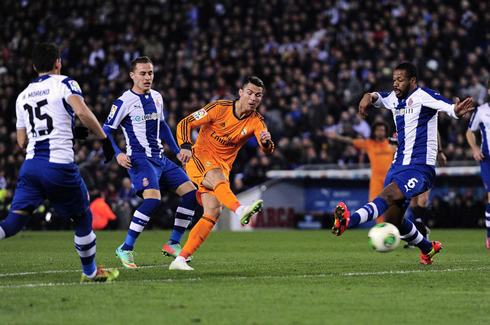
[149, 206]
[190, 198]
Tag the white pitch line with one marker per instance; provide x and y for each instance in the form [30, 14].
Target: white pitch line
[51, 284]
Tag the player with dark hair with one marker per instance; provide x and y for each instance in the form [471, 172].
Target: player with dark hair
[225, 127]
[413, 169]
[380, 156]
[139, 112]
[481, 121]
[46, 126]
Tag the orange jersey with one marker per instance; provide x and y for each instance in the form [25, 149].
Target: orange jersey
[380, 155]
[222, 133]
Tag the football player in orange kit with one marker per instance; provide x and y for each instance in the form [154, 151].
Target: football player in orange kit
[380, 155]
[225, 127]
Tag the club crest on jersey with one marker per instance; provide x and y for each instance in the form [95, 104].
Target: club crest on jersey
[200, 114]
[158, 104]
[146, 117]
[410, 101]
[145, 182]
[74, 86]
[244, 131]
[113, 111]
[208, 163]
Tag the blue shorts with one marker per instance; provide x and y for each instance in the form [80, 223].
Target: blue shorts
[148, 173]
[61, 184]
[412, 180]
[485, 174]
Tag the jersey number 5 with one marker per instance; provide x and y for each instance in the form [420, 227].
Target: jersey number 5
[36, 112]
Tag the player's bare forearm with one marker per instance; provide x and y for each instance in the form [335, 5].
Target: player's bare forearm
[86, 116]
[366, 100]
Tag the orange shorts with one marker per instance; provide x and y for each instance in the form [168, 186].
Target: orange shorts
[200, 163]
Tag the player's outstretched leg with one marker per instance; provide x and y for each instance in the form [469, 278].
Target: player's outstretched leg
[245, 212]
[228, 199]
[341, 219]
[370, 211]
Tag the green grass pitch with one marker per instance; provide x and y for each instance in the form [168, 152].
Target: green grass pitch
[262, 277]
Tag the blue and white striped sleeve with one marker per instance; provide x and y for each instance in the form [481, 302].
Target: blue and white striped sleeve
[116, 114]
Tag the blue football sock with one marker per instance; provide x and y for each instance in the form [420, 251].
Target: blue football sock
[183, 216]
[410, 234]
[487, 219]
[140, 220]
[368, 212]
[13, 223]
[85, 243]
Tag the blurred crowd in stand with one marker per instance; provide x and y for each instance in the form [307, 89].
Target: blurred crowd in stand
[317, 58]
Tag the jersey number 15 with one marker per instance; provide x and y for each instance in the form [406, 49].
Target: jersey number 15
[36, 112]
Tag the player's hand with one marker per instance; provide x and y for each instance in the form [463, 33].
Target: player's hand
[265, 137]
[108, 150]
[123, 160]
[364, 104]
[478, 155]
[441, 159]
[81, 132]
[184, 156]
[461, 108]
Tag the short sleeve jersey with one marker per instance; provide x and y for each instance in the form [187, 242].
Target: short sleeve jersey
[42, 109]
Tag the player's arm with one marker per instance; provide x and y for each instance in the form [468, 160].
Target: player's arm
[22, 139]
[338, 137]
[477, 154]
[89, 120]
[184, 128]
[441, 157]
[264, 138]
[369, 99]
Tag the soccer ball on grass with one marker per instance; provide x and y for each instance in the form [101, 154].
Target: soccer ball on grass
[384, 237]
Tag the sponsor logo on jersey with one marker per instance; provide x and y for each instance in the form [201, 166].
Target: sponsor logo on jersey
[146, 117]
[74, 86]
[113, 111]
[244, 131]
[200, 114]
[403, 111]
[145, 182]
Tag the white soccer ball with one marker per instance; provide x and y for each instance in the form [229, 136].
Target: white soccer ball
[384, 237]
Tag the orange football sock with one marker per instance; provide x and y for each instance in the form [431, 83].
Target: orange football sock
[198, 235]
[225, 195]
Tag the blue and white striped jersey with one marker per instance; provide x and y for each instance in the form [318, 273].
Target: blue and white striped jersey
[416, 124]
[481, 121]
[139, 117]
[43, 110]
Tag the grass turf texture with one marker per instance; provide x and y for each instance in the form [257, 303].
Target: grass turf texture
[263, 277]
